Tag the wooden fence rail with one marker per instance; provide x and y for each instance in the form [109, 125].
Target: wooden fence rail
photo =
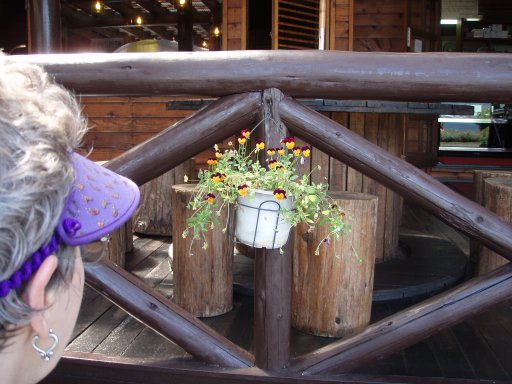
[428, 76]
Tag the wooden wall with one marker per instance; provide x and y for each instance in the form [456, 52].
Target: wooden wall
[119, 123]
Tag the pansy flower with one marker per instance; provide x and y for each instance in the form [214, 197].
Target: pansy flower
[272, 164]
[242, 190]
[288, 142]
[280, 168]
[222, 176]
[246, 133]
[211, 161]
[218, 155]
[216, 177]
[280, 151]
[280, 194]
[260, 145]
[210, 198]
[296, 151]
[242, 140]
[306, 151]
[271, 151]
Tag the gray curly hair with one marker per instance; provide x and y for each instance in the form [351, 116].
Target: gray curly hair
[40, 125]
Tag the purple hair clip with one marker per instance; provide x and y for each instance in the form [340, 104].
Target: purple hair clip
[25, 272]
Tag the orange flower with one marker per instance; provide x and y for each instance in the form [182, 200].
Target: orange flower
[280, 194]
[272, 164]
[246, 133]
[242, 190]
[242, 140]
[218, 155]
[210, 198]
[211, 161]
[306, 151]
[260, 145]
[216, 177]
[296, 151]
[271, 151]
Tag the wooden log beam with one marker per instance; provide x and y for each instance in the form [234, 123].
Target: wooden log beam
[187, 138]
[397, 174]
[89, 368]
[325, 74]
[407, 327]
[164, 317]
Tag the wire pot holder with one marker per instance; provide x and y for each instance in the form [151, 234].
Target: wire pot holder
[260, 225]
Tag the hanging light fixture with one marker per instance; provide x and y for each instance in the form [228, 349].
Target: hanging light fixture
[216, 32]
[98, 7]
[138, 20]
[182, 3]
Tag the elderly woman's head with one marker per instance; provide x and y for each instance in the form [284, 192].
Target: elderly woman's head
[51, 201]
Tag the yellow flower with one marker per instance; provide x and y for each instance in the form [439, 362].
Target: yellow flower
[280, 151]
[218, 155]
[272, 164]
[289, 142]
[242, 190]
[211, 161]
[271, 151]
[296, 151]
[216, 177]
[210, 198]
[242, 140]
[246, 133]
[260, 145]
[306, 151]
[280, 194]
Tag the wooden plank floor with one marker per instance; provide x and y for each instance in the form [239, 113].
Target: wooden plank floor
[476, 349]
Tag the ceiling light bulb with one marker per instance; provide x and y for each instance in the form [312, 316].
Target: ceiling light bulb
[97, 6]
[182, 3]
[216, 31]
[138, 20]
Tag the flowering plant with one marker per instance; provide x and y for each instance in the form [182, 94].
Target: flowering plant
[237, 172]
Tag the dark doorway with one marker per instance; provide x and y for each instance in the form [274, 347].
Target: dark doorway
[259, 35]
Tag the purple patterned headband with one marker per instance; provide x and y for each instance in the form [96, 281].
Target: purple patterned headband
[99, 202]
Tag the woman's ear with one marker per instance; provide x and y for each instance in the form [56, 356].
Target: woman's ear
[36, 296]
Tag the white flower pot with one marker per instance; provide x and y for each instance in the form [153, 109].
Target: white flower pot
[259, 223]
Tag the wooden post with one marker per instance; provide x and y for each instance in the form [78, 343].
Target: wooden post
[332, 291]
[203, 280]
[45, 26]
[497, 197]
[272, 303]
[475, 247]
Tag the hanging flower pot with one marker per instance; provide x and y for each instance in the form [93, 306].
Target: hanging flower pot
[259, 220]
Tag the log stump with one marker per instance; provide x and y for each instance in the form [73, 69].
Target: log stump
[475, 247]
[497, 197]
[155, 213]
[203, 280]
[332, 291]
[121, 242]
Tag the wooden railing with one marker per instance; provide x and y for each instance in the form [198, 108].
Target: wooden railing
[245, 81]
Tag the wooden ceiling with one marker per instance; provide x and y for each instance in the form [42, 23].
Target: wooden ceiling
[116, 23]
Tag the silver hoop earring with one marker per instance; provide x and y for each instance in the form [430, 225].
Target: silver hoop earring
[45, 355]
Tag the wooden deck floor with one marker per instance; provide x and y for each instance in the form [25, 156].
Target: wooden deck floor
[476, 349]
